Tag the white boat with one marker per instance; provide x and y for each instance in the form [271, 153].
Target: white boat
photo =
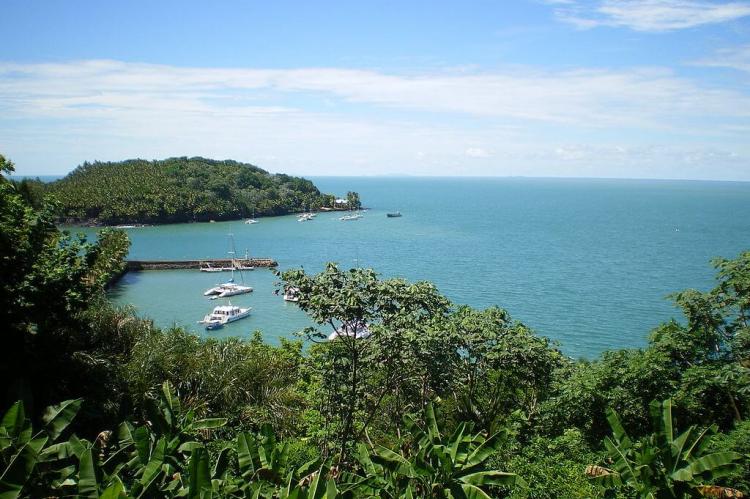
[230, 288]
[224, 314]
[206, 267]
[305, 217]
[227, 289]
[251, 221]
[355, 329]
[355, 216]
[291, 294]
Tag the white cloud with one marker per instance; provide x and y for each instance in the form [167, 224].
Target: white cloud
[651, 15]
[324, 120]
[477, 152]
[735, 58]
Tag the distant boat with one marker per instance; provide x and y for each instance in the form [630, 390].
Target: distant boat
[251, 221]
[291, 294]
[224, 314]
[394, 214]
[206, 267]
[305, 217]
[355, 216]
[354, 329]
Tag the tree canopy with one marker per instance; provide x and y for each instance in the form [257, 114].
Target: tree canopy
[179, 190]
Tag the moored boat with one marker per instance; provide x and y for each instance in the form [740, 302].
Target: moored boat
[224, 314]
[354, 329]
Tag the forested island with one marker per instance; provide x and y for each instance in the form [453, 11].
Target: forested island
[438, 400]
[179, 190]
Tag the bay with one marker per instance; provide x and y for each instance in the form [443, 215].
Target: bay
[586, 262]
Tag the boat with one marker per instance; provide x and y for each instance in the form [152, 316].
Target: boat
[227, 289]
[394, 214]
[305, 217]
[206, 267]
[251, 221]
[355, 216]
[231, 288]
[291, 294]
[354, 329]
[224, 314]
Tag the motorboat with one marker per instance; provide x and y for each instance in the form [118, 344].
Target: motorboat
[207, 267]
[394, 214]
[291, 294]
[355, 216]
[353, 329]
[224, 314]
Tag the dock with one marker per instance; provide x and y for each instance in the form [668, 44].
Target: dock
[137, 265]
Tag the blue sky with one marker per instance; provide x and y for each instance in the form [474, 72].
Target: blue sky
[599, 88]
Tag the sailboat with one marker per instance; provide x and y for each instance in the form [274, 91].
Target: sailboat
[231, 288]
[251, 221]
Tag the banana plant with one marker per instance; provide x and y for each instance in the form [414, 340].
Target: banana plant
[158, 455]
[664, 464]
[429, 463]
[30, 459]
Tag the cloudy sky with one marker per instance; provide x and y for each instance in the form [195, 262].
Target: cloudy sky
[587, 88]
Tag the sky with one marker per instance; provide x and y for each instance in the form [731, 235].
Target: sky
[552, 88]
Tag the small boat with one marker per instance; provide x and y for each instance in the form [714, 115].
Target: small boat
[355, 329]
[394, 214]
[291, 294]
[251, 221]
[355, 216]
[305, 217]
[227, 289]
[224, 314]
[206, 267]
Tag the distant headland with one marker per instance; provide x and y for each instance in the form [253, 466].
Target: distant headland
[178, 190]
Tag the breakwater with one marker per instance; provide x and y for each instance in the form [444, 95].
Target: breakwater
[136, 265]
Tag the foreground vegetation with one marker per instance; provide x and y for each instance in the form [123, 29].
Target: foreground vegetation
[178, 190]
[438, 401]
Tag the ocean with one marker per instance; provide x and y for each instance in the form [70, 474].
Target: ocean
[588, 263]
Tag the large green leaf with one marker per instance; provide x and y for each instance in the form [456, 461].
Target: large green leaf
[18, 471]
[713, 462]
[114, 491]
[245, 448]
[490, 477]
[200, 478]
[87, 483]
[617, 429]
[58, 417]
[152, 470]
[14, 419]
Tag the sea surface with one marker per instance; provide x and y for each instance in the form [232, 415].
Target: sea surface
[588, 263]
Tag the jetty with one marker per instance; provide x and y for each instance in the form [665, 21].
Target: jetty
[137, 265]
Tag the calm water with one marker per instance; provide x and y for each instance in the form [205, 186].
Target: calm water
[585, 262]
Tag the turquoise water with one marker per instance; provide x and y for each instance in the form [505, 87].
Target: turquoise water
[585, 262]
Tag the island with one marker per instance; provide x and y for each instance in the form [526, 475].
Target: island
[181, 189]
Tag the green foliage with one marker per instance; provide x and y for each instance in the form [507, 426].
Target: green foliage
[429, 463]
[32, 461]
[249, 382]
[178, 190]
[49, 280]
[664, 464]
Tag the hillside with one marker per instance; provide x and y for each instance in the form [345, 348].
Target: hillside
[179, 190]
